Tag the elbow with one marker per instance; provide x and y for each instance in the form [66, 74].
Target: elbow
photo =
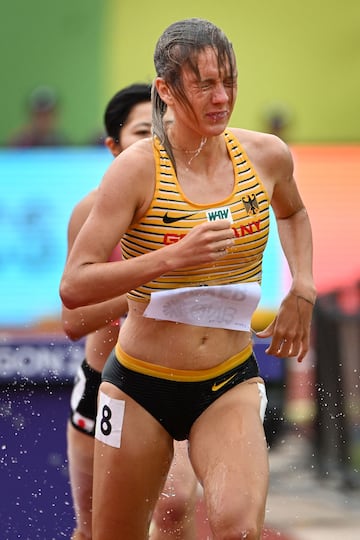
[72, 332]
[73, 324]
[68, 295]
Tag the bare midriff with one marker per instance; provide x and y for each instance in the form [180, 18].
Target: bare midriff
[177, 345]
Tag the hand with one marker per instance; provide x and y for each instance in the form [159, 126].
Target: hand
[205, 243]
[290, 330]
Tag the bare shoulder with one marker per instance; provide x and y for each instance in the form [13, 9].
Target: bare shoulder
[269, 154]
[128, 184]
[255, 142]
[130, 170]
[132, 160]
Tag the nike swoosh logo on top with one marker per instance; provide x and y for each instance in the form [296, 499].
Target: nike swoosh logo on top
[168, 219]
[215, 387]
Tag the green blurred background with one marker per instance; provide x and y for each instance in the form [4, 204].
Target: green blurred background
[302, 58]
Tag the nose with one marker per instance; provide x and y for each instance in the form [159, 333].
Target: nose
[220, 94]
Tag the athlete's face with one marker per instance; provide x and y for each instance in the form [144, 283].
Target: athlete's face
[136, 127]
[211, 95]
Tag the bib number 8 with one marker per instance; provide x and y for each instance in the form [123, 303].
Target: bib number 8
[105, 424]
[109, 420]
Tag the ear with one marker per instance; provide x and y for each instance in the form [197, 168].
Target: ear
[113, 146]
[164, 91]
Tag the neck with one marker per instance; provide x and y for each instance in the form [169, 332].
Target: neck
[191, 149]
[188, 144]
[204, 157]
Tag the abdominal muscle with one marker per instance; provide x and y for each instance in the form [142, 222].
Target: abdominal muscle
[177, 345]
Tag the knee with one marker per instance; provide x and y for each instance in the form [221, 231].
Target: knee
[83, 529]
[173, 511]
[236, 529]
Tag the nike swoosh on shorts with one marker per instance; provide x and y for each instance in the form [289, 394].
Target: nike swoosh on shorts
[215, 387]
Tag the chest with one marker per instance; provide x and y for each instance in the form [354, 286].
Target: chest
[216, 184]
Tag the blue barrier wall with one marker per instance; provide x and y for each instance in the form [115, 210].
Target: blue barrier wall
[34, 404]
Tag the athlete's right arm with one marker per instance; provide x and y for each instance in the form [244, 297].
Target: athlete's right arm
[124, 195]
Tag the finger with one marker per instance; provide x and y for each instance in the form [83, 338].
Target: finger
[219, 225]
[304, 348]
[264, 333]
[289, 348]
[295, 348]
[274, 348]
[280, 347]
[226, 244]
[222, 247]
[267, 332]
[220, 253]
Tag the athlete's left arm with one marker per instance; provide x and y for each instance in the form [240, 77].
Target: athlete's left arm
[290, 330]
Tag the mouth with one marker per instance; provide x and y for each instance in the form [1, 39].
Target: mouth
[218, 116]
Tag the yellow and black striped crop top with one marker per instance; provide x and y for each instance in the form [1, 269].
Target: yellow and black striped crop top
[171, 216]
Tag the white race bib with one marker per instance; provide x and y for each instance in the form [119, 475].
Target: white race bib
[109, 420]
[219, 306]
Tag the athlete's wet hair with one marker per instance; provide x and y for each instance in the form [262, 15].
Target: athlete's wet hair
[179, 46]
[120, 105]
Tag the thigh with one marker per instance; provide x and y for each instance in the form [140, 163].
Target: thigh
[229, 454]
[180, 489]
[175, 513]
[128, 476]
[181, 478]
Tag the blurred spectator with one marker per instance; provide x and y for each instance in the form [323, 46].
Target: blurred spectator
[277, 119]
[41, 129]
[98, 139]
